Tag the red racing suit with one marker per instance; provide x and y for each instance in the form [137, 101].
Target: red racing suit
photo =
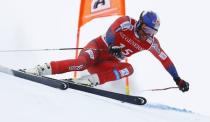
[95, 56]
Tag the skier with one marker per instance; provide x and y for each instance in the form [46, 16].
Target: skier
[103, 55]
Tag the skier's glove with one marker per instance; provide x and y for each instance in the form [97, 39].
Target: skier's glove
[116, 51]
[183, 85]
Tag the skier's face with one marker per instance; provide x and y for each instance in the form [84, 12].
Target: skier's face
[145, 31]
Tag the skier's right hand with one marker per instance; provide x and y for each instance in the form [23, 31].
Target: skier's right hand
[116, 51]
[183, 85]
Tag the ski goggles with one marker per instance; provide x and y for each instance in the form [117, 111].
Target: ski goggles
[148, 30]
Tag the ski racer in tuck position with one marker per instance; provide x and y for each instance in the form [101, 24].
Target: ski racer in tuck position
[102, 56]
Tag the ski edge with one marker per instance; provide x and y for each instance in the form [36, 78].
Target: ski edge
[137, 100]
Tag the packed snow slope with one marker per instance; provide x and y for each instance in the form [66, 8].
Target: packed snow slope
[26, 101]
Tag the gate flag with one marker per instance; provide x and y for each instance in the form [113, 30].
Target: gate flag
[90, 9]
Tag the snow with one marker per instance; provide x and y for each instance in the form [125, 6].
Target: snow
[24, 101]
[27, 24]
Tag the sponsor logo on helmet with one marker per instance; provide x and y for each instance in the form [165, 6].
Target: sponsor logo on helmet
[156, 23]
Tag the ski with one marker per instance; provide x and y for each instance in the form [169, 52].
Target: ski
[39, 79]
[64, 84]
[137, 100]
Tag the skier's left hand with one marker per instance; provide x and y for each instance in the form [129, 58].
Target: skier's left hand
[183, 85]
[116, 51]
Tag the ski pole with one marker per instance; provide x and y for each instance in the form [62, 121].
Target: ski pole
[55, 49]
[161, 89]
[28, 50]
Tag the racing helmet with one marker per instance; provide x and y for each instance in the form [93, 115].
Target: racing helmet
[148, 22]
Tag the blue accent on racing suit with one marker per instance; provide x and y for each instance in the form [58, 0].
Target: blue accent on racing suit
[117, 74]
